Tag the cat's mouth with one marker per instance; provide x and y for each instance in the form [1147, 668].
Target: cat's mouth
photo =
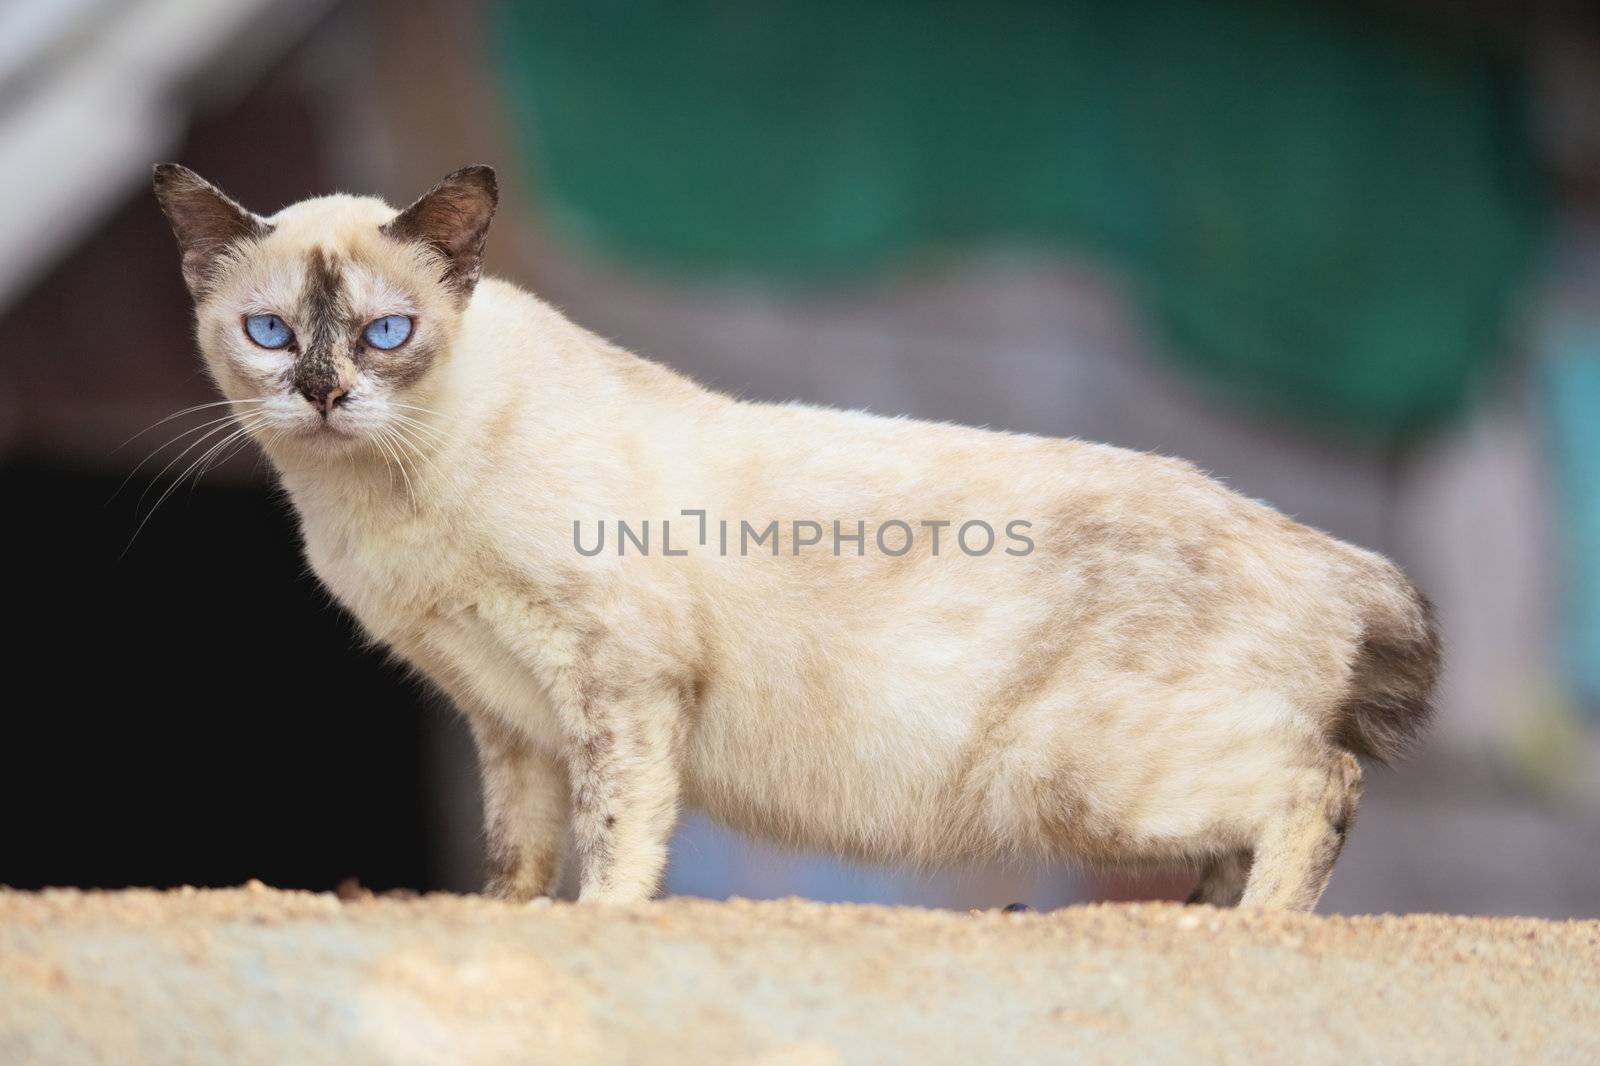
[315, 429]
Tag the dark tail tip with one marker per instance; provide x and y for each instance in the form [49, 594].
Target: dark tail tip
[1392, 680]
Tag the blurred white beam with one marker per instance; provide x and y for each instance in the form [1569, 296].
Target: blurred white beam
[92, 93]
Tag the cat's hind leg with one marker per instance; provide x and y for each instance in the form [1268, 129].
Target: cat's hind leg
[1222, 880]
[1295, 853]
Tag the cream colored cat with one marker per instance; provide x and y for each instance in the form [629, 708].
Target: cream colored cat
[795, 619]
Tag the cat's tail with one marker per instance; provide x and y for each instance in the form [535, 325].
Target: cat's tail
[1393, 674]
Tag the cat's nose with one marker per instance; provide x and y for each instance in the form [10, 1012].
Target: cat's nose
[324, 396]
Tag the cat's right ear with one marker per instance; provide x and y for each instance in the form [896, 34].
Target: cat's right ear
[205, 221]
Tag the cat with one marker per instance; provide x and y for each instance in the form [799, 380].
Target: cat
[820, 644]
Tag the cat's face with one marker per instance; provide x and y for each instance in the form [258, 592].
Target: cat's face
[327, 321]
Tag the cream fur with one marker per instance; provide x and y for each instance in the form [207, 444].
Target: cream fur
[1158, 681]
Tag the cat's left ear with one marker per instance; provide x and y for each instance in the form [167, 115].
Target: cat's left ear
[205, 221]
[452, 218]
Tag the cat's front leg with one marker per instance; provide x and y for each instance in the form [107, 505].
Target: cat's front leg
[525, 808]
[624, 771]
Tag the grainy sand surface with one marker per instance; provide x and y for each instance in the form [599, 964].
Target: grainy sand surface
[258, 976]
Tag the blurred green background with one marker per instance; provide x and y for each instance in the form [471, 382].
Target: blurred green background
[1328, 209]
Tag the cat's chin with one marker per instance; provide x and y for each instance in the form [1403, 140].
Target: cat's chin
[322, 438]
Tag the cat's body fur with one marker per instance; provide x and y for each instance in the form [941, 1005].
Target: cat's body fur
[1174, 674]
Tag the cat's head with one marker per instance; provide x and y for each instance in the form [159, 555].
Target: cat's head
[328, 320]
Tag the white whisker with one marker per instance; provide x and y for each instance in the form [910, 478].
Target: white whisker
[219, 426]
[163, 447]
[180, 414]
[241, 431]
[443, 431]
[433, 433]
[400, 432]
[242, 442]
[385, 440]
[388, 458]
[415, 449]
[417, 436]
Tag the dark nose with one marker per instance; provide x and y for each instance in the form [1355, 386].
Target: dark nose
[324, 396]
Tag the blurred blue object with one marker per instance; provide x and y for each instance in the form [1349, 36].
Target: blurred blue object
[1571, 384]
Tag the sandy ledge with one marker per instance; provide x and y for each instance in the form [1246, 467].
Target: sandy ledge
[255, 975]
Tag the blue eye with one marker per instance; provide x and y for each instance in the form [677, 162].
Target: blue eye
[390, 331]
[269, 331]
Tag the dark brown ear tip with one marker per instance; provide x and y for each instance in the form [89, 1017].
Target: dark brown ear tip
[479, 174]
[168, 175]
